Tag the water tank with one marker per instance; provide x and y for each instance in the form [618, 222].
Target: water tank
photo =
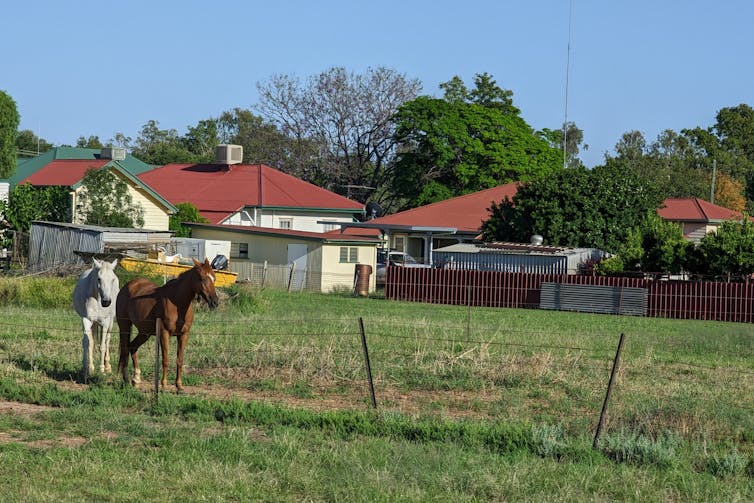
[536, 239]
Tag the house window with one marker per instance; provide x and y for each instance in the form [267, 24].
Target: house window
[349, 255]
[239, 250]
[400, 243]
[329, 225]
[286, 223]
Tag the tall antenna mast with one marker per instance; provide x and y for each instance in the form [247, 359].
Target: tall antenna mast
[568, 65]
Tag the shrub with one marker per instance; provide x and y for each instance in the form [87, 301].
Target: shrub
[731, 464]
[641, 450]
[548, 440]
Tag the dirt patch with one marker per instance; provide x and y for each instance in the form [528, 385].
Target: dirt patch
[23, 409]
[449, 404]
[20, 437]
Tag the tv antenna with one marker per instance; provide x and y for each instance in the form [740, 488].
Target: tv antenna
[568, 64]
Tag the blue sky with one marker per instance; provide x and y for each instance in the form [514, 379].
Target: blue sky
[81, 68]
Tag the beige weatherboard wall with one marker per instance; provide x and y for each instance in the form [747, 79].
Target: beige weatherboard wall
[325, 269]
[289, 218]
[156, 216]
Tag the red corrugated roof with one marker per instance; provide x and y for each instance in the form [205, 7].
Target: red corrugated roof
[466, 213]
[65, 172]
[692, 209]
[217, 190]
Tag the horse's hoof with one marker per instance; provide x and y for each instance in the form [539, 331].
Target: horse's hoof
[108, 369]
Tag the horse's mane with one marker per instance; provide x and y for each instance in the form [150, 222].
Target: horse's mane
[175, 280]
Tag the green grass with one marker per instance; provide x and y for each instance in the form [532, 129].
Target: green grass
[501, 406]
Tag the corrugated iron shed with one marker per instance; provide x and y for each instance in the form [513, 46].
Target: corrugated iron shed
[514, 257]
[53, 244]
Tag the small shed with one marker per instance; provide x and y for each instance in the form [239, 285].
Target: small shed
[314, 261]
[515, 257]
[54, 244]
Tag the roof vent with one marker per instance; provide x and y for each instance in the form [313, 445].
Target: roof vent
[536, 239]
[228, 154]
[114, 153]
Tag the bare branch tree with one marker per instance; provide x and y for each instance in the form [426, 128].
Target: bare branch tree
[349, 116]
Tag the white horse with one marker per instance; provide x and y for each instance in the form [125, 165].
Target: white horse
[94, 300]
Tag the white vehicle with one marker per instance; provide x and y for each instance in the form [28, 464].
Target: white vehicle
[394, 258]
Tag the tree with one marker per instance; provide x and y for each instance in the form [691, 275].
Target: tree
[729, 193]
[730, 250]
[575, 207]
[27, 203]
[671, 162]
[264, 143]
[9, 120]
[574, 143]
[161, 146]
[348, 117]
[105, 200]
[30, 144]
[90, 142]
[465, 142]
[664, 248]
[187, 212]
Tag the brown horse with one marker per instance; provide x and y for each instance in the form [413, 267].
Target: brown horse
[140, 302]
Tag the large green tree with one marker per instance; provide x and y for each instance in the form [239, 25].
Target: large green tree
[672, 162]
[29, 144]
[105, 200]
[27, 203]
[161, 146]
[9, 120]
[575, 207]
[729, 252]
[467, 141]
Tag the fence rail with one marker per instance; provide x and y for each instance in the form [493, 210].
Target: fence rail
[697, 300]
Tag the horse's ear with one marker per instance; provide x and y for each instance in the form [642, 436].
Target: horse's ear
[96, 262]
[206, 262]
[114, 263]
[196, 262]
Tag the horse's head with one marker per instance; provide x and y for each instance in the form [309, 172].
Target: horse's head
[204, 283]
[107, 284]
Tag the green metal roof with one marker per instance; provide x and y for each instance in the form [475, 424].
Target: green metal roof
[27, 167]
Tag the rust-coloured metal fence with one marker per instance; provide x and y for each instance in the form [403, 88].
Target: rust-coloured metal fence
[699, 300]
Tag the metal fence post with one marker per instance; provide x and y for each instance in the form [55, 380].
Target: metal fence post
[366, 360]
[616, 361]
[468, 313]
[157, 338]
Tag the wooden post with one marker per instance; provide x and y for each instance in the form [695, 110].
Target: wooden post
[290, 278]
[366, 360]
[616, 361]
[157, 364]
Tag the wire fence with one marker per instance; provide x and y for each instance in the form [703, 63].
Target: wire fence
[697, 385]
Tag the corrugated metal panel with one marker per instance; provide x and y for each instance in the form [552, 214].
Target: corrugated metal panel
[500, 262]
[594, 299]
